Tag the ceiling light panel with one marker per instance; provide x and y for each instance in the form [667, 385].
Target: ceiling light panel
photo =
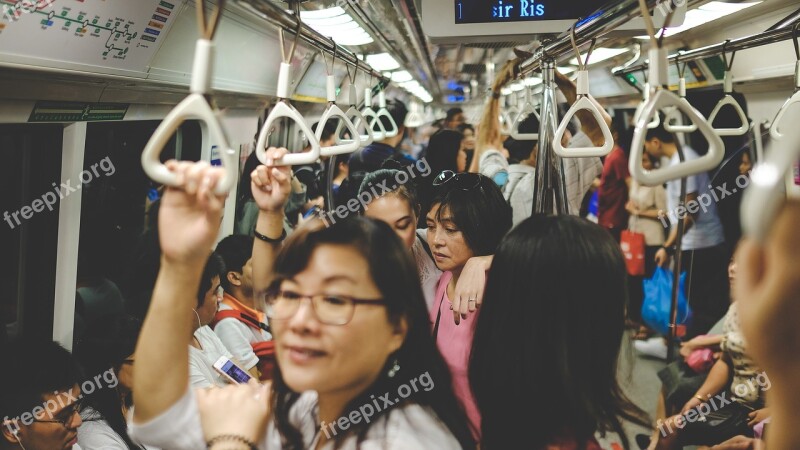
[338, 25]
[704, 14]
[600, 54]
[382, 62]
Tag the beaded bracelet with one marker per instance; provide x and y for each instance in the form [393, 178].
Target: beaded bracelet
[231, 437]
[268, 239]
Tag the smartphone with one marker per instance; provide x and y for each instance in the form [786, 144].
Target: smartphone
[231, 371]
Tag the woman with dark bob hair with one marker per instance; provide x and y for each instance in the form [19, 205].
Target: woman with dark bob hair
[355, 364]
[468, 218]
[560, 339]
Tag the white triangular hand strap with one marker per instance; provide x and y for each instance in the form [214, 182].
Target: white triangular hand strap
[729, 100]
[588, 103]
[672, 116]
[716, 148]
[383, 112]
[372, 117]
[774, 130]
[195, 106]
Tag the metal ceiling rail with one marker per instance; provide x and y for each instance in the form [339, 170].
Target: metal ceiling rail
[276, 16]
[733, 45]
[606, 19]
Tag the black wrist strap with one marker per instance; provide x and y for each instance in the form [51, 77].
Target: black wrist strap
[269, 239]
[232, 438]
[670, 250]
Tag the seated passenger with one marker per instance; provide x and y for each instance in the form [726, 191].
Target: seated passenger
[361, 335]
[108, 349]
[205, 347]
[552, 345]
[400, 209]
[39, 405]
[767, 291]
[468, 218]
[240, 322]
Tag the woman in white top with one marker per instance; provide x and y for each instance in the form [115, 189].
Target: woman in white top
[646, 205]
[356, 366]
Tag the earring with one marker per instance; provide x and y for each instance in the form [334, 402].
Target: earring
[395, 368]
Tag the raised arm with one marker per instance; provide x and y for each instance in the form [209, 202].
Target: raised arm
[271, 187]
[188, 223]
[488, 133]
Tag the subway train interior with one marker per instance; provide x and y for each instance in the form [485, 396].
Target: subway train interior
[520, 224]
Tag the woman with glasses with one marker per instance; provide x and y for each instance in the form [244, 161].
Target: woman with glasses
[348, 319]
[560, 339]
[468, 218]
[399, 208]
[108, 348]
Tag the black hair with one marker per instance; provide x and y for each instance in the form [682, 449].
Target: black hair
[521, 150]
[328, 130]
[452, 112]
[563, 349]
[465, 126]
[105, 346]
[481, 214]
[245, 193]
[662, 134]
[397, 110]
[388, 178]
[235, 250]
[33, 368]
[442, 151]
[394, 272]
[214, 267]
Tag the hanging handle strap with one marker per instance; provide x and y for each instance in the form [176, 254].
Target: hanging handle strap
[195, 106]
[728, 100]
[584, 102]
[658, 101]
[354, 114]
[383, 112]
[764, 196]
[284, 109]
[369, 113]
[526, 110]
[673, 115]
[774, 130]
[331, 111]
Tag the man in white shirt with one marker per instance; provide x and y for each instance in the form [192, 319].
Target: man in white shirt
[705, 256]
[237, 283]
[39, 407]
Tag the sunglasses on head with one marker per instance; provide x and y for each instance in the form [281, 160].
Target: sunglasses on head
[465, 181]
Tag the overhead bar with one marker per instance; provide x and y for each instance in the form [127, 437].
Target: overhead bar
[733, 45]
[276, 16]
[606, 19]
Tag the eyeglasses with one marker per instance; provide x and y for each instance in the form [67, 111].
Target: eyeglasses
[464, 181]
[329, 309]
[67, 415]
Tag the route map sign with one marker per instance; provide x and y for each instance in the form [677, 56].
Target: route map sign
[109, 36]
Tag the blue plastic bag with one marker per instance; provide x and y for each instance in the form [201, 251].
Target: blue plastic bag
[658, 301]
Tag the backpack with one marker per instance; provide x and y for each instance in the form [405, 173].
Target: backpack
[264, 350]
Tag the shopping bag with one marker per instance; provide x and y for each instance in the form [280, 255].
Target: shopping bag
[632, 244]
[658, 301]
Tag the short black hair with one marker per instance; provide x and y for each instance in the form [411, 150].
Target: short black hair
[481, 214]
[520, 150]
[388, 177]
[660, 133]
[464, 127]
[214, 267]
[327, 131]
[452, 112]
[34, 368]
[235, 250]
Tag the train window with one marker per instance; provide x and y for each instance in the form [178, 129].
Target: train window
[115, 264]
[28, 241]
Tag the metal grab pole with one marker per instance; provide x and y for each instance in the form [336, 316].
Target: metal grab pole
[549, 189]
[676, 270]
